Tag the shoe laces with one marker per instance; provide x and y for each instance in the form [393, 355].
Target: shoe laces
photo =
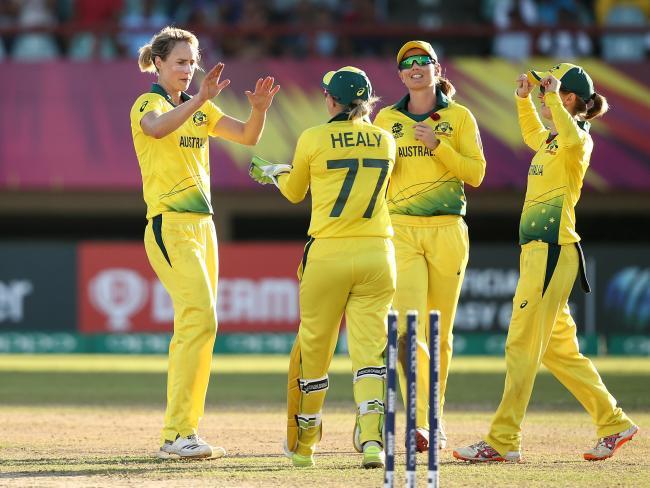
[608, 442]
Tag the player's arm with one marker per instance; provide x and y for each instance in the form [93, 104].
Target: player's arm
[292, 180]
[158, 125]
[249, 132]
[295, 183]
[568, 132]
[468, 163]
[532, 129]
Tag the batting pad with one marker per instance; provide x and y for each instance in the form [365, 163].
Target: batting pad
[293, 396]
[308, 386]
[377, 372]
[308, 420]
[371, 406]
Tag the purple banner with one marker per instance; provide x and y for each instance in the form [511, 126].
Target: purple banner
[66, 125]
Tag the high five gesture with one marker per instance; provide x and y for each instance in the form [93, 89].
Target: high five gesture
[211, 86]
[263, 95]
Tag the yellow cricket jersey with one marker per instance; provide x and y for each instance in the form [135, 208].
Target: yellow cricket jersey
[346, 163]
[555, 174]
[176, 168]
[425, 182]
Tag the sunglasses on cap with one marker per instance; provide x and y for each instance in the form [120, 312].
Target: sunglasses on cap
[420, 59]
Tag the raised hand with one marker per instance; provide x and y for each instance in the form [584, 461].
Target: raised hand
[550, 84]
[211, 86]
[425, 134]
[263, 95]
[524, 86]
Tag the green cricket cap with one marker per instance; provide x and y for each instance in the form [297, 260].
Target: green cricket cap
[347, 84]
[573, 78]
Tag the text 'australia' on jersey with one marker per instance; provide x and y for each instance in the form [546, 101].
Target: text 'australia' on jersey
[429, 182]
[555, 174]
[176, 168]
[347, 165]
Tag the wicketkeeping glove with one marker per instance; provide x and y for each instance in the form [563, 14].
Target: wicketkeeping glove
[265, 172]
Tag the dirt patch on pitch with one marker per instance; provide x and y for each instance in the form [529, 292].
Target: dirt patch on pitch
[44, 447]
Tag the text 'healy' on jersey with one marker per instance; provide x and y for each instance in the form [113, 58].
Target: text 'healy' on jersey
[352, 139]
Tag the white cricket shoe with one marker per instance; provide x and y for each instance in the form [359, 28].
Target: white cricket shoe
[484, 452]
[190, 447]
[442, 436]
[285, 449]
[607, 446]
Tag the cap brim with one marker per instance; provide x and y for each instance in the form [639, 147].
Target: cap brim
[416, 45]
[327, 79]
[535, 77]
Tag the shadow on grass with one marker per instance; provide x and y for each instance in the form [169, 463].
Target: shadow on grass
[465, 390]
[49, 467]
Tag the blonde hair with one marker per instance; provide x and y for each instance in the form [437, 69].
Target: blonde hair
[361, 108]
[596, 107]
[446, 86]
[162, 44]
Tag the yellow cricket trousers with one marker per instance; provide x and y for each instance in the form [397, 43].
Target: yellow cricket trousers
[543, 331]
[356, 277]
[182, 249]
[431, 255]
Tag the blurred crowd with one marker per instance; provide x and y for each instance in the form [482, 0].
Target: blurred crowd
[38, 30]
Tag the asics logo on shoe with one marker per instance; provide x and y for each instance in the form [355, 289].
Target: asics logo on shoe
[485, 450]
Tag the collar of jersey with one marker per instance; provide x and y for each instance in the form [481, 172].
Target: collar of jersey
[156, 88]
[442, 101]
[344, 117]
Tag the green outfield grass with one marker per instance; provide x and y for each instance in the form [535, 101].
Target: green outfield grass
[474, 382]
[93, 421]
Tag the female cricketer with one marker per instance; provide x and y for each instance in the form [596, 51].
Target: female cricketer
[542, 329]
[438, 150]
[348, 266]
[170, 133]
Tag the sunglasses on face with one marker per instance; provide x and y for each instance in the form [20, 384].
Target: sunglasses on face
[420, 59]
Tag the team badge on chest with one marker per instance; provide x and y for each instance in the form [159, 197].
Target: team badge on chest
[443, 129]
[199, 119]
[551, 147]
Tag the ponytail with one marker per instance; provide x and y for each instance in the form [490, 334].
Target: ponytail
[145, 60]
[599, 108]
[595, 107]
[446, 87]
[360, 109]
